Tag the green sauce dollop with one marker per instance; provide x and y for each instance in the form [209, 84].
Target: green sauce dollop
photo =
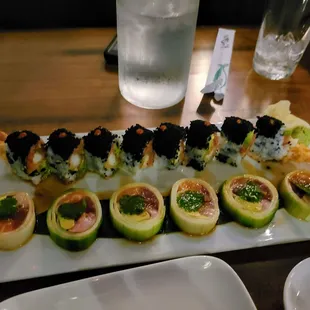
[8, 207]
[132, 205]
[72, 210]
[251, 193]
[190, 201]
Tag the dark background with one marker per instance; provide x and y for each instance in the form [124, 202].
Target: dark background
[34, 14]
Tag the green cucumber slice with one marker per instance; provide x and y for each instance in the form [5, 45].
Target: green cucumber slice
[138, 227]
[294, 204]
[72, 241]
[247, 213]
[190, 220]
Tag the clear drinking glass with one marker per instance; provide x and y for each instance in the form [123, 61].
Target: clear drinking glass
[155, 43]
[283, 38]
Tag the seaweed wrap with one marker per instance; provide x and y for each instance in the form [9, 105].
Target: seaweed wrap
[295, 192]
[237, 137]
[65, 155]
[137, 149]
[27, 156]
[17, 220]
[202, 143]
[74, 219]
[137, 211]
[194, 206]
[102, 152]
[271, 143]
[250, 200]
[169, 145]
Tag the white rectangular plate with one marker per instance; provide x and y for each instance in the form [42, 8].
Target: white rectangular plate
[195, 283]
[41, 257]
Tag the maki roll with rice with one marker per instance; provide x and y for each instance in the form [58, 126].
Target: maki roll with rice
[65, 155]
[202, 143]
[137, 149]
[27, 156]
[237, 137]
[169, 145]
[102, 152]
[271, 142]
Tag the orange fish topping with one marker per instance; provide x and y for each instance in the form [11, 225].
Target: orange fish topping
[239, 121]
[163, 127]
[140, 131]
[97, 132]
[62, 135]
[22, 135]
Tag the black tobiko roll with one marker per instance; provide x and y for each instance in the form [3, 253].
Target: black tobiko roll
[268, 126]
[236, 129]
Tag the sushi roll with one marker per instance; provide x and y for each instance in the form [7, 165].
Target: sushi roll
[137, 149]
[102, 152]
[237, 137]
[202, 143]
[194, 206]
[137, 211]
[74, 219]
[271, 142]
[65, 155]
[169, 145]
[250, 200]
[27, 156]
[295, 192]
[17, 220]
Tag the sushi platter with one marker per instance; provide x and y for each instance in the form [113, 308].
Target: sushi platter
[72, 202]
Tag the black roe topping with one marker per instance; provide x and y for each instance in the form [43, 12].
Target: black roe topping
[135, 140]
[20, 143]
[236, 129]
[98, 142]
[63, 142]
[268, 126]
[199, 134]
[167, 138]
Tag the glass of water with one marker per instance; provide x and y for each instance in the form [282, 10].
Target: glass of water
[155, 43]
[283, 38]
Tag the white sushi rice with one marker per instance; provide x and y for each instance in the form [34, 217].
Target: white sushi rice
[96, 164]
[162, 162]
[272, 148]
[61, 167]
[231, 150]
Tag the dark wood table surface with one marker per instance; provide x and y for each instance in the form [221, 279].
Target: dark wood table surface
[50, 79]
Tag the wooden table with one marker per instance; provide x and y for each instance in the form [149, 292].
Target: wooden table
[51, 79]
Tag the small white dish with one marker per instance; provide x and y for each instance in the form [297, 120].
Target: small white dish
[297, 287]
[195, 283]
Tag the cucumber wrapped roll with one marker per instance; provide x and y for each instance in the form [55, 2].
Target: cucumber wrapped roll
[237, 137]
[295, 191]
[137, 149]
[17, 220]
[65, 155]
[102, 152]
[169, 145]
[194, 206]
[74, 219]
[27, 156]
[250, 200]
[272, 142]
[202, 143]
[137, 211]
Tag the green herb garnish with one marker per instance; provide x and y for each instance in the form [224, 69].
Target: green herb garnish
[8, 207]
[131, 204]
[250, 192]
[190, 201]
[72, 210]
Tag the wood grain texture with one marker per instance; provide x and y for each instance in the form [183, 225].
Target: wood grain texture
[57, 78]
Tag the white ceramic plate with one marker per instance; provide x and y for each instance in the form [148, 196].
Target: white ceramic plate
[194, 283]
[41, 257]
[297, 287]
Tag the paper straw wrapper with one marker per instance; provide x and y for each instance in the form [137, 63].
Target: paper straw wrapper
[220, 63]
